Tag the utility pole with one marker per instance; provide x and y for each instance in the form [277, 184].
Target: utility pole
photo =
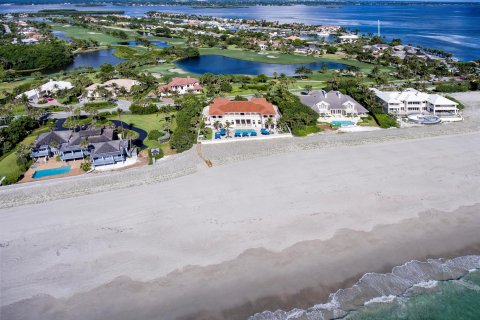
[378, 27]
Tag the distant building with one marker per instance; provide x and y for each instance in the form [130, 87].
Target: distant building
[46, 89]
[346, 38]
[115, 86]
[333, 103]
[253, 113]
[376, 49]
[411, 101]
[181, 86]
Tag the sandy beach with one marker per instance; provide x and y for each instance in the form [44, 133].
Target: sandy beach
[274, 224]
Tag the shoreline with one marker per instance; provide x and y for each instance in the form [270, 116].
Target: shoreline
[255, 232]
[299, 276]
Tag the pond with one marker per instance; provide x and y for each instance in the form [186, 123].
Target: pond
[94, 59]
[158, 43]
[218, 64]
[61, 35]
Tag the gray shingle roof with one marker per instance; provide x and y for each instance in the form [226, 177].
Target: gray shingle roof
[47, 138]
[334, 98]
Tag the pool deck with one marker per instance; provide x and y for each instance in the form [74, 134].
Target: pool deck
[40, 164]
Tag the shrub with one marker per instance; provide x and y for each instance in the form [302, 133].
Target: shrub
[294, 114]
[154, 135]
[99, 105]
[137, 109]
[305, 130]
[86, 166]
[453, 87]
[185, 134]
[384, 120]
[149, 153]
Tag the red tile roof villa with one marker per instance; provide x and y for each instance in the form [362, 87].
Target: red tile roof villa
[221, 106]
[253, 113]
[182, 85]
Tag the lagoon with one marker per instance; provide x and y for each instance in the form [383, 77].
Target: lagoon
[218, 64]
[157, 43]
[94, 59]
[450, 26]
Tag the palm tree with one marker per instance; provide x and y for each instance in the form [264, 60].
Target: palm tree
[269, 123]
[84, 145]
[217, 124]
[227, 127]
[120, 111]
[308, 88]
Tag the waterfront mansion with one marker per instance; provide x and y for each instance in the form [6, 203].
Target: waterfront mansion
[411, 101]
[99, 144]
[253, 113]
[333, 103]
[181, 86]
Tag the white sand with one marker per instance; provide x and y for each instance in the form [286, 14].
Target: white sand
[146, 232]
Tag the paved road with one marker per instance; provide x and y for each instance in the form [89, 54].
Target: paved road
[7, 28]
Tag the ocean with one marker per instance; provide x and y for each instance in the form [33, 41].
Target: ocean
[454, 27]
[438, 289]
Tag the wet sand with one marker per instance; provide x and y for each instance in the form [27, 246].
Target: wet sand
[223, 243]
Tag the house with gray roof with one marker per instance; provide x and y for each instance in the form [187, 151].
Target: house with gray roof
[49, 143]
[99, 144]
[333, 103]
[111, 152]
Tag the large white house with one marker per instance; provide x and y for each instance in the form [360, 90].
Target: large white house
[253, 113]
[181, 86]
[411, 101]
[333, 103]
[114, 86]
[46, 89]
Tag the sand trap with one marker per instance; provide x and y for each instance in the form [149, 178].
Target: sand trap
[177, 70]
[272, 57]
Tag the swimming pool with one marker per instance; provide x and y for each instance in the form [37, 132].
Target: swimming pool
[249, 131]
[50, 172]
[342, 123]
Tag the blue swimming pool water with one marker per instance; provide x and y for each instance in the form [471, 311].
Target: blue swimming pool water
[50, 172]
[249, 131]
[343, 123]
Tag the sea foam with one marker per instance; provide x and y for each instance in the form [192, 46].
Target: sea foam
[381, 288]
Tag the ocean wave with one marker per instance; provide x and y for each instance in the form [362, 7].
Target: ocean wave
[381, 288]
[453, 38]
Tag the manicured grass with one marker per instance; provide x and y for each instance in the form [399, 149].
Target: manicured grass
[85, 34]
[255, 56]
[147, 122]
[126, 52]
[178, 42]
[8, 163]
[168, 69]
[281, 58]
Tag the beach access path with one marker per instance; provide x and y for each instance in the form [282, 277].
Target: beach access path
[272, 223]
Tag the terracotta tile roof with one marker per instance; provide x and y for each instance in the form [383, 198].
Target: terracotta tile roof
[181, 82]
[220, 106]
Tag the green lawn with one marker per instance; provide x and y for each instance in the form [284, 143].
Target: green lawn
[168, 69]
[8, 163]
[281, 58]
[148, 123]
[85, 34]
